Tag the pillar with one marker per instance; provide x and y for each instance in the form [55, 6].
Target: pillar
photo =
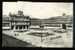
[22, 27]
[14, 27]
[18, 27]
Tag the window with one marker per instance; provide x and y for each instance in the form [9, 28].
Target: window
[6, 24]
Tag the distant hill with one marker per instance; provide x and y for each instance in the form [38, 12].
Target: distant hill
[35, 21]
[57, 19]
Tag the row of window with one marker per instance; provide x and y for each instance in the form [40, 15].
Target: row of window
[6, 24]
[20, 19]
[21, 23]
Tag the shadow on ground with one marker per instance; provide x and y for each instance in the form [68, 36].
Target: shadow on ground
[8, 41]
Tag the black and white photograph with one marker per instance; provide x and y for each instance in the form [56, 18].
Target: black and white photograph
[37, 24]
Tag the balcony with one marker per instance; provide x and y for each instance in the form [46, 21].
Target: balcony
[20, 23]
[20, 19]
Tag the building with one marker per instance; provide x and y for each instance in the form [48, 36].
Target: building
[57, 21]
[19, 22]
[6, 23]
[16, 22]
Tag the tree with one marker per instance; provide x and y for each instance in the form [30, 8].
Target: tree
[63, 14]
[64, 25]
[10, 14]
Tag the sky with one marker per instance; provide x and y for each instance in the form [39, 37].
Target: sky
[38, 9]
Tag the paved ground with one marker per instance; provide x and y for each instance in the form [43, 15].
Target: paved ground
[56, 40]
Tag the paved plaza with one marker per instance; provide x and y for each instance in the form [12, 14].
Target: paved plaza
[49, 38]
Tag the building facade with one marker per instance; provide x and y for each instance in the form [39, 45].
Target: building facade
[57, 22]
[16, 22]
[19, 22]
[6, 23]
